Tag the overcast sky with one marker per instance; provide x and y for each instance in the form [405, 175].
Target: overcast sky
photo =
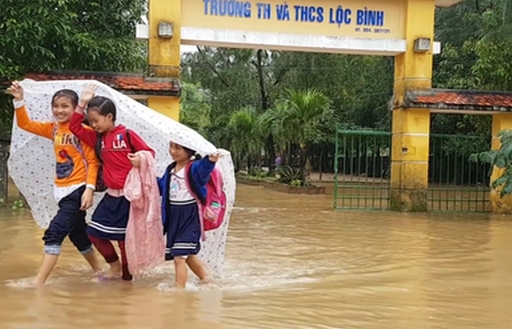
[187, 49]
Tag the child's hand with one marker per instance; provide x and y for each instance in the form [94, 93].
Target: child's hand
[134, 159]
[16, 90]
[215, 157]
[87, 94]
[87, 199]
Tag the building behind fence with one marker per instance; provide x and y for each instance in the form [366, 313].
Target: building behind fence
[362, 165]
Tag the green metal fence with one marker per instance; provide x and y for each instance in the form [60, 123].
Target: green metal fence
[362, 172]
[362, 169]
[455, 182]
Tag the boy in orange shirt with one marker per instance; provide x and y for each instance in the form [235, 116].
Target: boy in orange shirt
[76, 173]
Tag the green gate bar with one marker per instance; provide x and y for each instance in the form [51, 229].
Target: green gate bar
[362, 172]
[362, 169]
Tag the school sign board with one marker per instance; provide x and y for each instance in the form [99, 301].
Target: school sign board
[368, 27]
[365, 19]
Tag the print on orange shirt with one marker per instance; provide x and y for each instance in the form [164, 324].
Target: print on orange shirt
[66, 168]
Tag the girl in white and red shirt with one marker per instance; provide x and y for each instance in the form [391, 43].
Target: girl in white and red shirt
[116, 147]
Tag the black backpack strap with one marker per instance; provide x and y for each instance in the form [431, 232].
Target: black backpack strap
[129, 139]
[97, 147]
[169, 170]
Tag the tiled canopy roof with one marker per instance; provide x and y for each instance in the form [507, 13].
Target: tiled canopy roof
[129, 84]
[444, 99]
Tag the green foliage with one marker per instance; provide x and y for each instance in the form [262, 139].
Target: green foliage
[288, 174]
[263, 100]
[44, 35]
[475, 55]
[296, 183]
[258, 173]
[257, 79]
[195, 108]
[244, 134]
[501, 159]
[476, 46]
[17, 205]
[299, 115]
[69, 34]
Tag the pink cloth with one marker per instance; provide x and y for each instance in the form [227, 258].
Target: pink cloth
[145, 245]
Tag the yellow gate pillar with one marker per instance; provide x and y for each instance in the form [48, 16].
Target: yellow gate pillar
[411, 127]
[502, 121]
[164, 52]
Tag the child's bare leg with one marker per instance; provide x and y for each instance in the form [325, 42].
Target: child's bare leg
[107, 250]
[196, 265]
[49, 261]
[114, 271]
[60, 226]
[93, 261]
[180, 266]
[79, 238]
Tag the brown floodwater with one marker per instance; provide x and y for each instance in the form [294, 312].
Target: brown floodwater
[291, 262]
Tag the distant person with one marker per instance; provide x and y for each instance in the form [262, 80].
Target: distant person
[76, 173]
[278, 161]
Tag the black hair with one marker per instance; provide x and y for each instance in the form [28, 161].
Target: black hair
[67, 93]
[86, 122]
[190, 152]
[103, 105]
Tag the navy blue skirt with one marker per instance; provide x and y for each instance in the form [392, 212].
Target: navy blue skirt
[110, 218]
[183, 230]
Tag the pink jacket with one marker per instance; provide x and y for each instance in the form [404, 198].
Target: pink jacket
[145, 245]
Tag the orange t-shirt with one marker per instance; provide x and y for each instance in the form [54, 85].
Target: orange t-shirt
[72, 167]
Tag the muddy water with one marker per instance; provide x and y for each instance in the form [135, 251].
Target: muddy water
[291, 263]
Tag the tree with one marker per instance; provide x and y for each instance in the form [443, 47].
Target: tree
[195, 108]
[299, 117]
[44, 35]
[246, 137]
[476, 49]
[500, 159]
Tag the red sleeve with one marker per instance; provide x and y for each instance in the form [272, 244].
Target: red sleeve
[88, 136]
[139, 144]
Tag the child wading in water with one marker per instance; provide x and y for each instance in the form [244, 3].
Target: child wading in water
[76, 172]
[180, 211]
[116, 147]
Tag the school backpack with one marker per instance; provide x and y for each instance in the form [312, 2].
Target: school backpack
[213, 207]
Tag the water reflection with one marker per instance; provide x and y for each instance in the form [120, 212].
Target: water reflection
[291, 263]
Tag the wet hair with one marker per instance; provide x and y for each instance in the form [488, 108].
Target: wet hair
[66, 93]
[191, 153]
[103, 105]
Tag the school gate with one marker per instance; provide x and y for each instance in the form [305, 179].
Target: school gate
[403, 29]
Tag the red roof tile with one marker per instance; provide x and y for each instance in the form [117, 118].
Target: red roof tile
[130, 84]
[444, 99]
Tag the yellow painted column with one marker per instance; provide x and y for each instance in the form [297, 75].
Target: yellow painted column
[164, 54]
[500, 122]
[411, 127]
